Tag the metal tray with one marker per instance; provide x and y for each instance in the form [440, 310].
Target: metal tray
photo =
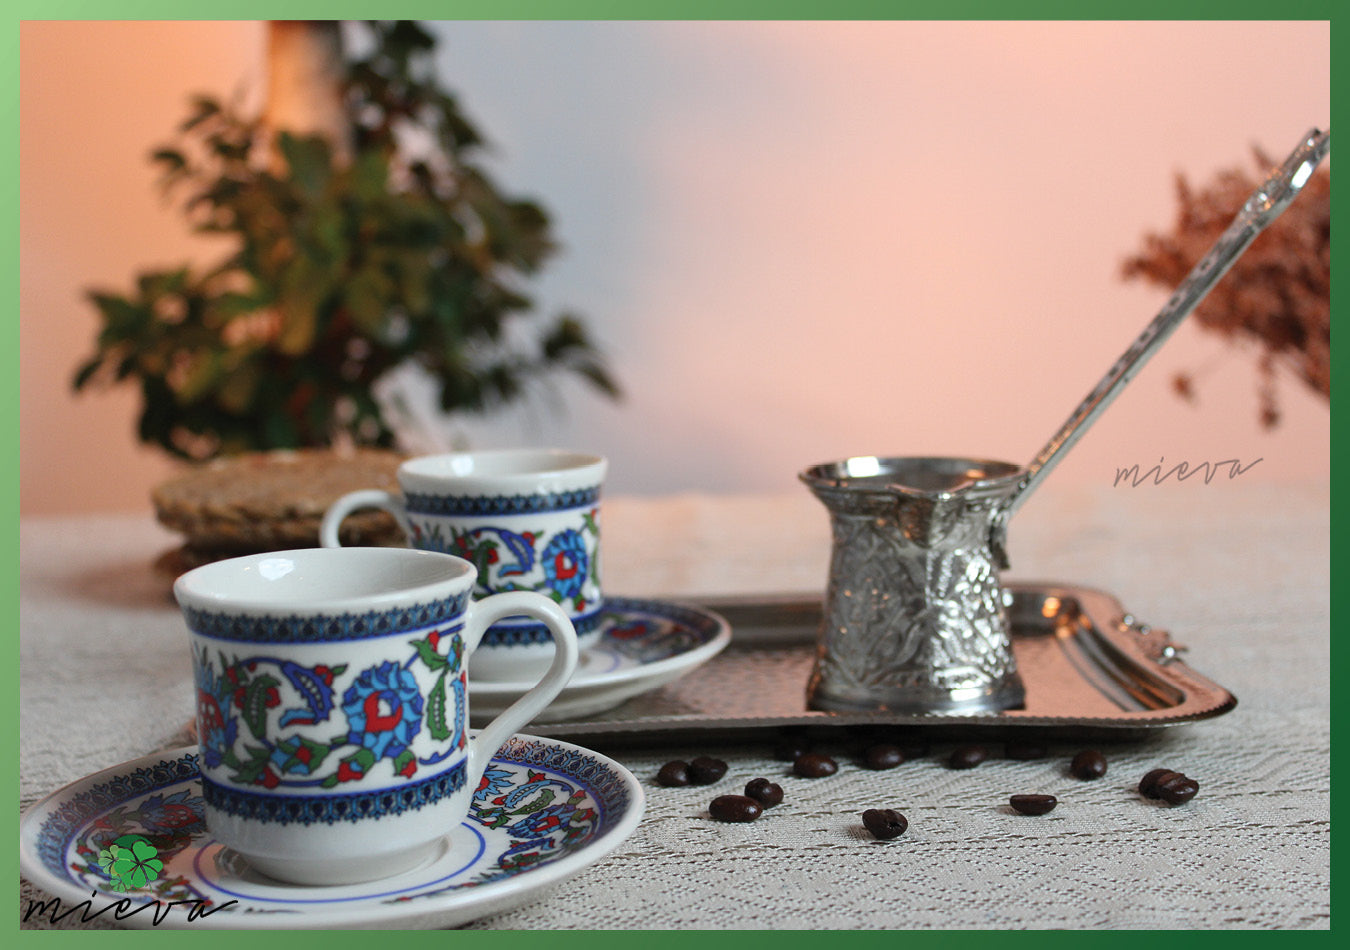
[1089, 667]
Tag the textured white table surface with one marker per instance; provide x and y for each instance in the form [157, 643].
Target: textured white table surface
[1237, 570]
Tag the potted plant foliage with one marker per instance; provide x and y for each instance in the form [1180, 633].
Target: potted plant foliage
[374, 241]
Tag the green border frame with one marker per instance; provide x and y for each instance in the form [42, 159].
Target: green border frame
[598, 10]
[693, 10]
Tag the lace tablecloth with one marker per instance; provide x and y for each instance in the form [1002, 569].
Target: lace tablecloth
[1239, 572]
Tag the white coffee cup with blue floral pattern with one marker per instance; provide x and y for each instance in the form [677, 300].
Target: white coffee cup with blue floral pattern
[333, 704]
[527, 519]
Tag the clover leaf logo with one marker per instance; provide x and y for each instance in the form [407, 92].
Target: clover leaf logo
[130, 861]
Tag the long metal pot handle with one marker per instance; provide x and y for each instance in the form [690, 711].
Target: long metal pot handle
[1261, 208]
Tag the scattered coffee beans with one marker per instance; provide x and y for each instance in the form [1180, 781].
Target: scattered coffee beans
[884, 823]
[1172, 787]
[814, 765]
[705, 770]
[967, 757]
[1025, 751]
[734, 808]
[1088, 764]
[765, 792]
[1033, 804]
[1148, 785]
[1178, 791]
[883, 755]
[673, 774]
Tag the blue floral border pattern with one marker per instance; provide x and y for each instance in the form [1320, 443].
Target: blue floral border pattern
[505, 633]
[648, 630]
[499, 504]
[324, 628]
[591, 776]
[605, 784]
[571, 826]
[332, 809]
[61, 827]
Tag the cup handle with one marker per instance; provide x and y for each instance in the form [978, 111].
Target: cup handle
[481, 615]
[355, 501]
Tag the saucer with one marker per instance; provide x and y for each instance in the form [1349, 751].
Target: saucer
[546, 811]
[643, 644]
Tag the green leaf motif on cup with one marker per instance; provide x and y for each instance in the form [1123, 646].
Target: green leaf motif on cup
[248, 718]
[440, 729]
[259, 696]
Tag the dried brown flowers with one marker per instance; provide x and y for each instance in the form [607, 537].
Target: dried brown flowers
[1277, 294]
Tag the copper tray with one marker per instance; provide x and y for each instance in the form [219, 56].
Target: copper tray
[1089, 667]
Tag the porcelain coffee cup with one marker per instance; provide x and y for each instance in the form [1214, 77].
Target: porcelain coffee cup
[527, 519]
[333, 704]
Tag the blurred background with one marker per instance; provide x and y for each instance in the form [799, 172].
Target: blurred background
[794, 241]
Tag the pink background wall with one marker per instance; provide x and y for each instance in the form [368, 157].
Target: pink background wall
[799, 240]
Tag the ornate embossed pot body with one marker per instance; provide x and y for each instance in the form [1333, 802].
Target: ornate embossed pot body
[332, 704]
[915, 619]
[914, 614]
[528, 519]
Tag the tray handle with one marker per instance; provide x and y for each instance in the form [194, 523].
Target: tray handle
[1156, 642]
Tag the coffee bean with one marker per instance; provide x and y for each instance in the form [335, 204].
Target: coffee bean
[705, 770]
[814, 765]
[734, 808]
[1033, 804]
[1178, 790]
[883, 755]
[673, 774]
[765, 792]
[967, 757]
[884, 823]
[1025, 751]
[1088, 764]
[1148, 785]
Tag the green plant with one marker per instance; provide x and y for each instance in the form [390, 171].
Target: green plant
[348, 259]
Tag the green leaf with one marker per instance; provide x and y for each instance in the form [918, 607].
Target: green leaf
[85, 373]
[370, 175]
[239, 389]
[254, 706]
[309, 158]
[248, 771]
[170, 158]
[203, 376]
[428, 655]
[566, 334]
[436, 716]
[536, 803]
[122, 319]
[299, 323]
[599, 377]
[203, 108]
[367, 295]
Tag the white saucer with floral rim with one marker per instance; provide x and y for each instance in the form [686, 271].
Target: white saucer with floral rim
[643, 645]
[546, 810]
